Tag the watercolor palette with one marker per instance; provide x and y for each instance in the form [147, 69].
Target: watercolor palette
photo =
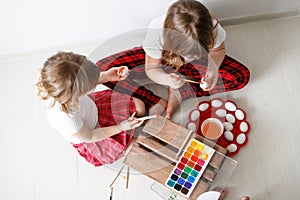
[190, 167]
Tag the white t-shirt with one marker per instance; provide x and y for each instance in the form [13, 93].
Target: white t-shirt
[69, 124]
[153, 42]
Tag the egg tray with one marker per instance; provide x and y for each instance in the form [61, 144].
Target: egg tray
[222, 110]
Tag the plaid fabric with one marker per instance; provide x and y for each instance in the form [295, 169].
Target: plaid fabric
[134, 59]
[232, 76]
[113, 108]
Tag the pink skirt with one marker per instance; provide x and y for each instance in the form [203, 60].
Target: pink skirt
[113, 108]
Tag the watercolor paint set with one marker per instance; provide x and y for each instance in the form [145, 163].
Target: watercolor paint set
[176, 158]
[190, 167]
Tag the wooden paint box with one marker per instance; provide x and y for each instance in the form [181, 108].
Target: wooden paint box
[158, 149]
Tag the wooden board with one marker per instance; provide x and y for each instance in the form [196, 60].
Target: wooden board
[148, 163]
[156, 153]
[158, 147]
[167, 131]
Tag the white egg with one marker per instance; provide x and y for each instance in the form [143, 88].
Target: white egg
[228, 135]
[231, 148]
[227, 126]
[123, 70]
[192, 126]
[239, 114]
[203, 107]
[195, 115]
[221, 112]
[241, 138]
[230, 118]
[230, 106]
[244, 127]
[203, 84]
[216, 103]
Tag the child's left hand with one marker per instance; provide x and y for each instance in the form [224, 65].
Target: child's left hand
[211, 77]
[130, 123]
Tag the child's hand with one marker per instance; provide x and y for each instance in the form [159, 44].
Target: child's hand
[203, 84]
[113, 74]
[123, 72]
[211, 78]
[130, 123]
[175, 81]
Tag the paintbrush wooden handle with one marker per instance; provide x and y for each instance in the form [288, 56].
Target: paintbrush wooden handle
[184, 143]
[127, 178]
[147, 117]
[191, 81]
[117, 176]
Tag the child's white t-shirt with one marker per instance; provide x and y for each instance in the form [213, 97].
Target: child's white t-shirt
[69, 124]
[153, 42]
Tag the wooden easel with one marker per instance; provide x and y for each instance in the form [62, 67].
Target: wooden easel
[158, 148]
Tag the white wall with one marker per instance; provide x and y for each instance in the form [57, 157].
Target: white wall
[29, 25]
[34, 25]
[229, 9]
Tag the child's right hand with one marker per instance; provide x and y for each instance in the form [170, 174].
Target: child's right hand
[130, 123]
[175, 81]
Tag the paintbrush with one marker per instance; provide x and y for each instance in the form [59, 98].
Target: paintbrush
[184, 143]
[117, 176]
[148, 117]
[202, 82]
[191, 81]
[127, 178]
[111, 193]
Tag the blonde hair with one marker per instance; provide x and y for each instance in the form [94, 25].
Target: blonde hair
[188, 31]
[65, 77]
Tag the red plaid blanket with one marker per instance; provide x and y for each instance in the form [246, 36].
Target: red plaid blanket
[232, 76]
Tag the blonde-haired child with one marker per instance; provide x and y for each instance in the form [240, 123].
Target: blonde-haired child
[192, 42]
[185, 43]
[100, 125]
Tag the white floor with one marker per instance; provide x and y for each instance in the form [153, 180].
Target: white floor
[36, 162]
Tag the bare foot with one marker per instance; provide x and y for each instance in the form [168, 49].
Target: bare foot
[173, 102]
[158, 108]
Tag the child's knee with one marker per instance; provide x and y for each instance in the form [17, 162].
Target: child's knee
[140, 107]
